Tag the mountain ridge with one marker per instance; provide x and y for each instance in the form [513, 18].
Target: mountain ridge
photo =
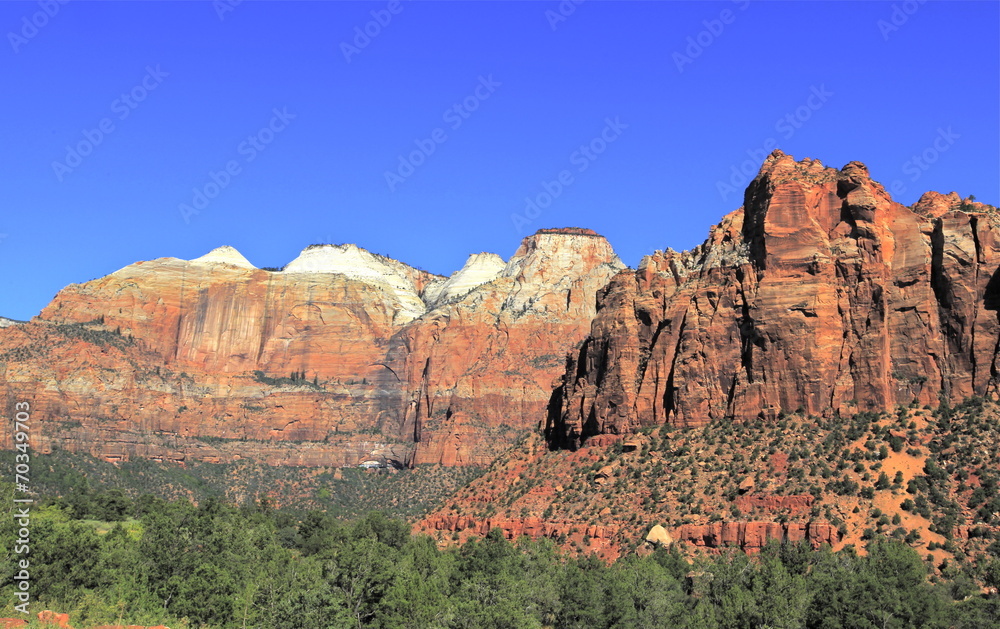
[321, 354]
[350, 355]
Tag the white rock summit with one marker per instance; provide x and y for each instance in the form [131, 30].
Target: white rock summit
[479, 269]
[392, 276]
[225, 255]
[543, 274]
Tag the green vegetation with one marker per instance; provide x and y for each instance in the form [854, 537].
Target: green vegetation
[93, 333]
[295, 378]
[403, 493]
[220, 567]
[80, 484]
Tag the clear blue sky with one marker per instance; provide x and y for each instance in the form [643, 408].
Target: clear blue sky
[860, 81]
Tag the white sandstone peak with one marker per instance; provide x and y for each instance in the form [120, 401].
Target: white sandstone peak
[552, 265]
[6, 323]
[359, 264]
[560, 251]
[479, 269]
[225, 255]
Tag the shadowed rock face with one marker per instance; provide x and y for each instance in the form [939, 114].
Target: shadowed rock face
[158, 360]
[820, 294]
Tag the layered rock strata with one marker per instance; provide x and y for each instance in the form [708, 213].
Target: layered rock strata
[821, 294]
[342, 355]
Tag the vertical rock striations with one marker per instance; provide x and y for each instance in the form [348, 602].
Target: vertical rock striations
[342, 355]
[820, 294]
[478, 370]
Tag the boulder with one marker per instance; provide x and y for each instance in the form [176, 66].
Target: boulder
[659, 535]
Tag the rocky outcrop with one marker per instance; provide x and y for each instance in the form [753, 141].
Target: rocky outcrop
[402, 284]
[335, 359]
[515, 527]
[820, 294]
[747, 536]
[479, 269]
[480, 370]
[224, 255]
[659, 535]
[49, 617]
[752, 536]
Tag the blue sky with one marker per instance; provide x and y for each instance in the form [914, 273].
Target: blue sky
[420, 130]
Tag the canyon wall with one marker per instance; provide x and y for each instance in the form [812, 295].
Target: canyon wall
[341, 356]
[821, 294]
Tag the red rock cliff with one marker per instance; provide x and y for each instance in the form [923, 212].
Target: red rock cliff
[820, 294]
[192, 360]
[483, 366]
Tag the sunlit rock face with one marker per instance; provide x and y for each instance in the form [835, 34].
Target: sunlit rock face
[820, 294]
[338, 357]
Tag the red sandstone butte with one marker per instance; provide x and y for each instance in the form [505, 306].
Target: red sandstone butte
[820, 294]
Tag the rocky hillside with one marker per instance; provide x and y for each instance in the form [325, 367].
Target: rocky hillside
[341, 356]
[927, 478]
[821, 294]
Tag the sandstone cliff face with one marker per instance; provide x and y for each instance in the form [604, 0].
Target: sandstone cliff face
[820, 294]
[94, 391]
[752, 536]
[483, 366]
[182, 360]
[599, 538]
[214, 315]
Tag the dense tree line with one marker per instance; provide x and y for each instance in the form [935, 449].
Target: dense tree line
[220, 566]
